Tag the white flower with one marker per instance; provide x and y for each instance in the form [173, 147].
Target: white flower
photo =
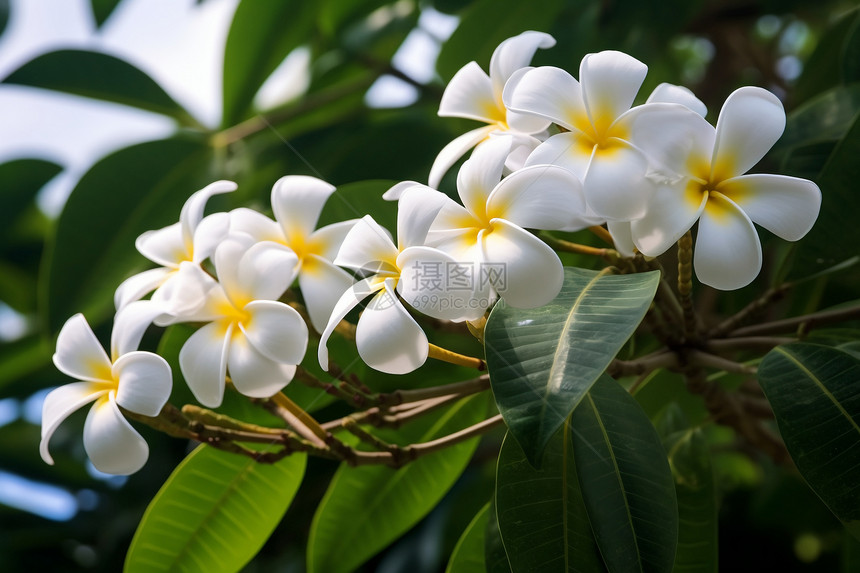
[138, 381]
[705, 181]
[297, 202]
[179, 248]
[472, 94]
[599, 145]
[250, 334]
[488, 230]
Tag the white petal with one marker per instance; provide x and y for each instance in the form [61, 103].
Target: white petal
[551, 93]
[297, 201]
[785, 206]
[276, 330]
[252, 373]
[522, 145]
[435, 284]
[130, 324]
[751, 121]
[670, 93]
[610, 81]
[672, 136]
[59, 404]
[322, 284]
[137, 286]
[416, 211]
[348, 301]
[80, 354]
[328, 240]
[615, 184]
[209, 234]
[522, 268]
[192, 211]
[569, 150]
[203, 362]
[622, 237]
[255, 224]
[165, 246]
[515, 53]
[481, 173]
[522, 122]
[727, 254]
[452, 153]
[396, 190]
[367, 247]
[145, 382]
[470, 94]
[111, 443]
[671, 213]
[266, 271]
[184, 294]
[538, 197]
[388, 338]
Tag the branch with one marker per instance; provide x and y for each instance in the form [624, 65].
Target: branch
[804, 323]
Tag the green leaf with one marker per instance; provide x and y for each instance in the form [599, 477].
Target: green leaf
[20, 181]
[494, 549]
[542, 361]
[468, 554]
[102, 9]
[541, 512]
[98, 76]
[261, 35]
[355, 200]
[214, 513]
[133, 190]
[625, 479]
[813, 392]
[827, 66]
[485, 24]
[4, 15]
[690, 461]
[368, 507]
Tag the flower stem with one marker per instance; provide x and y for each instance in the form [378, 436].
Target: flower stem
[303, 423]
[451, 357]
[685, 284]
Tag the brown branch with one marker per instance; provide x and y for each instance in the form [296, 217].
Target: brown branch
[803, 323]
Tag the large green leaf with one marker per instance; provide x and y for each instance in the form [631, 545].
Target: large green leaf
[625, 479]
[99, 76]
[20, 181]
[813, 391]
[542, 361]
[830, 63]
[541, 512]
[131, 191]
[214, 513]
[368, 507]
[495, 557]
[690, 461]
[261, 35]
[468, 554]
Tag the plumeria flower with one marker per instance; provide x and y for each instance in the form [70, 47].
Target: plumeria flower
[297, 202]
[179, 249]
[137, 381]
[488, 230]
[705, 181]
[387, 337]
[599, 144]
[472, 94]
[251, 336]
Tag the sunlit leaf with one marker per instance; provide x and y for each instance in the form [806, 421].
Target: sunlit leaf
[542, 361]
[261, 35]
[542, 515]
[468, 554]
[813, 391]
[368, 507]
[214, 513]
[99, 76]
[128, 192]
[625, 478]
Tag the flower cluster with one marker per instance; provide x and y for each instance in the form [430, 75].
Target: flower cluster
[557, 153]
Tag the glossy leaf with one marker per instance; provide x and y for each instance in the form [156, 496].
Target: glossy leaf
[813, 391]
[543, 361]
[541, 512]
[625, 479]
[102, 9]
[99, 76]
[213, 514]
[468, 554]
[690, 462]
[368, 507]
[131, 191]
[261, 35]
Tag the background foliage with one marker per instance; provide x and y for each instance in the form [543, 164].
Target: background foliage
[808, 53]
